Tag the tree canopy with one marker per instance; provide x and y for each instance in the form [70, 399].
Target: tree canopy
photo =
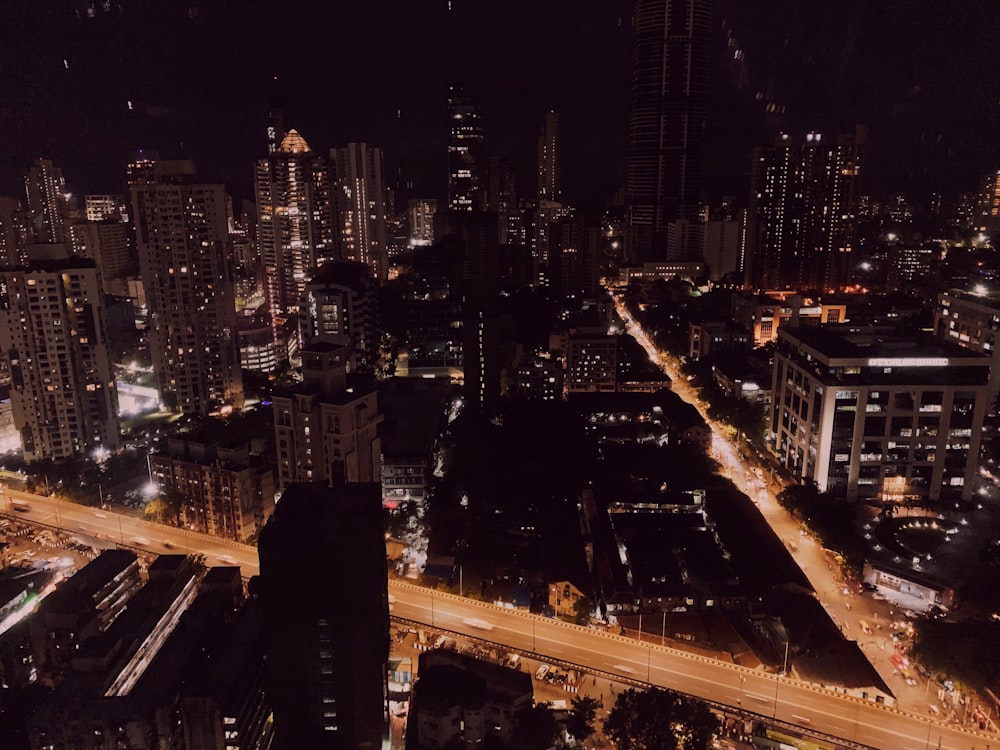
[660, 720]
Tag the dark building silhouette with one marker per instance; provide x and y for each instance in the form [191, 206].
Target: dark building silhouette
[465, 157]
[670, 55]
[326, 617]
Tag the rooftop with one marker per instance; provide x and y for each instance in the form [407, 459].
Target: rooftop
[858, 342]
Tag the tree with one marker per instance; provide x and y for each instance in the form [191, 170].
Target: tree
[583, 711]
[582, 610]
[535, 729]
[659, 720]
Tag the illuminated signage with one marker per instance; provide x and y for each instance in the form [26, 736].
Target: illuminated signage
[908, 362]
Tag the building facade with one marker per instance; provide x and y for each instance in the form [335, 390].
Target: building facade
[326, 429]
[184, 259]
[359, 200]
[48, 202]
[972, 321]
[341, 299]
[326, 617]
[869, 414]
[803, 200]
[296, 226]
[465, 152]
[217, 490]
[54, 343]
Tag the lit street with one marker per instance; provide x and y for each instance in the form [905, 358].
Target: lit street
[737, 687]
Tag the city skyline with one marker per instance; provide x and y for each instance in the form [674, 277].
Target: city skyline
[92, 89]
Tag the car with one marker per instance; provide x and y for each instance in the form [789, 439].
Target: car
[168, 544]
[871, 588]
[141, 541]
[478, 624]
[228, 560]
[542, 671]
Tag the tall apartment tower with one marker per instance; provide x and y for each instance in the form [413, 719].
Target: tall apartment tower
[326, 617]
[549, 185]
[988, 219]
[326, 428]
[359, 203]
[803, 202]
[13, 232]
[670, 61]
[53, 341]
[47, 201]
[184, 261]
[420, 216]
[296, 231]
[465, 151]
[341, 299]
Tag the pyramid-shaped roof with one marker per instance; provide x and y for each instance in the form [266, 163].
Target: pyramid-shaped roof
[293, 143]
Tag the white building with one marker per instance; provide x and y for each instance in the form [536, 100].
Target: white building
[869, 414]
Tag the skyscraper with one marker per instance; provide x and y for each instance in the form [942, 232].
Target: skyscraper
[52, 335]
[47, 201]
[465, 146]
[670, 54]
[326, 617]
[803, 201]
[359, 203]
[549, 183]
[296, 229]
[184, 259]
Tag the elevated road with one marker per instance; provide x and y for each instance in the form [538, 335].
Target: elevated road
[784, 699]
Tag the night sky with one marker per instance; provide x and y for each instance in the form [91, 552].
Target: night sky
[925, 77]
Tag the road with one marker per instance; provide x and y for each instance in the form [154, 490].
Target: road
[594, 650]
[846, 608]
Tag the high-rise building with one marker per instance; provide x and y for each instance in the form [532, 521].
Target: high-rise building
[721, 247]
[500, 197]
[53, 339]
[465, 146]
[359, 202]
[803, 204]
[670, 61]
[104, 207]
[342, 299]
[184, 259]
[549, 182]
[107, 243]
[326, 428]
[871, 414]
[48, 201]
[13, 232]
[420, 214]
[296, 231]
[972, 320]
[326, 617]
[989, 203]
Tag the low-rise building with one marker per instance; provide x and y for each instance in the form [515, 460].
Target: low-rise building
[462, 702]
[907, 587]
[715, 336]
[764, 314]
[217, 489]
